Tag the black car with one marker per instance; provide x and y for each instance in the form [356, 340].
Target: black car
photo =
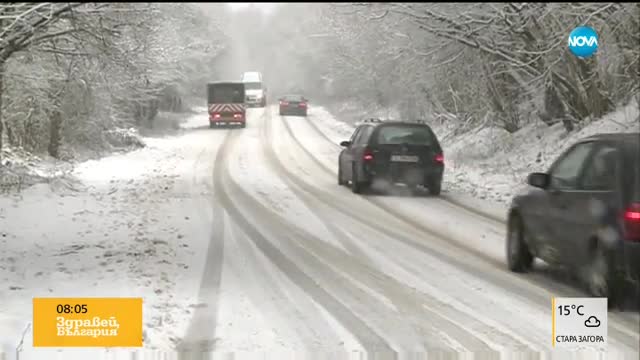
[293, 105]
[392, 151]
[584, 214]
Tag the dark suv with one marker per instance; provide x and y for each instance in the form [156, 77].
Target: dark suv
[584, 213]
[394, 152]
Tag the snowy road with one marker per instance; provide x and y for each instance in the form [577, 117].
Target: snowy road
[241, 241]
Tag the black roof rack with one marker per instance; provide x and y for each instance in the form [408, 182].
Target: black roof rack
[225, 82]
[377, 120]
[414, 121]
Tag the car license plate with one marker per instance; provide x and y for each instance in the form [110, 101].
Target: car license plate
[404, 158]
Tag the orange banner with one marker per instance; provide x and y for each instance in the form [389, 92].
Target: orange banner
[87, 322]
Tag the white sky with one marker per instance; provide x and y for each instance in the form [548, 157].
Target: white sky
[266, 7]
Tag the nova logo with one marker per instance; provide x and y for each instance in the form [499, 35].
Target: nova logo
[583, 41]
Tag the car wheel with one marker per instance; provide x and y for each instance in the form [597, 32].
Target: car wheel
[211, 126]
[602, 280]
[356, 185]
[435, 188]
[519, 257]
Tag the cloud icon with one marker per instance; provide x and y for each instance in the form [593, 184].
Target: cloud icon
[592, 321]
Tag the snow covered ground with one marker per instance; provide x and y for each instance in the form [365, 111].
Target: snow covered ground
[20, 169]
[493, 164]
[137, 226]
[240, 242]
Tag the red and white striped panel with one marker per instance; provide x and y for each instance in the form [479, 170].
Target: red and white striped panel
[218, 108]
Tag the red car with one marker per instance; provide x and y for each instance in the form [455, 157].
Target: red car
[295, 105]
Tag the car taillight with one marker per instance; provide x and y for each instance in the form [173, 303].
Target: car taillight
[216, 116]
[632, 222]
[368, 155]
[237, 116]
[303, 105]
[283, 103]
[439, 158]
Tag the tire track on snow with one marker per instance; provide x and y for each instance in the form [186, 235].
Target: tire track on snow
[224, 186]
[416, 307]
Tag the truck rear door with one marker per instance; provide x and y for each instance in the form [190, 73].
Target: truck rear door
[226, 102]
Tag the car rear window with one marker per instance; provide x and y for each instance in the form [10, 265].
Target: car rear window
[403, 134]
[293, 97]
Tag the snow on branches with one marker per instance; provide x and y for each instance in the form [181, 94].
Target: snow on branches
[71, 71]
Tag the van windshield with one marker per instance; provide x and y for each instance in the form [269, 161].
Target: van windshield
[253, 86]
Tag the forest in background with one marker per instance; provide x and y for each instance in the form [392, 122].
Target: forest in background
[73, 73]
[502, 64]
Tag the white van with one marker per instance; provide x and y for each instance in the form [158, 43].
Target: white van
[255, 91]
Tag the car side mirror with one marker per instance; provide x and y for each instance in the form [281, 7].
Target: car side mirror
[539, 180]
[345, 143]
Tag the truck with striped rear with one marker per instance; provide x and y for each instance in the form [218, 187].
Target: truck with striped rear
[226, 104]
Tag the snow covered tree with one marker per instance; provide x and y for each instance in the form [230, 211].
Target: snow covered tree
[514, 53]
[72, 71]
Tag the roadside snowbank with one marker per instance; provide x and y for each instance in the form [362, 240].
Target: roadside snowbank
[351, 112]
[20, 169]
[492, 164]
